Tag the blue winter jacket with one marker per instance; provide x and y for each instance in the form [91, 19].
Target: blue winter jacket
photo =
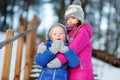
[60, 73]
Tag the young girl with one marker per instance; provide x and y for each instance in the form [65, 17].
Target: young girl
[48, 55]
[80, 35]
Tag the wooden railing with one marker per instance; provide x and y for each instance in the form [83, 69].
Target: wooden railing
[106, 57]
[27, 37]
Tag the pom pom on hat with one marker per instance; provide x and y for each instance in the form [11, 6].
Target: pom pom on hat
[77, 2]
[75, 10]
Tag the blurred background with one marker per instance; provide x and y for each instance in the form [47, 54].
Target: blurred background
[103, 15]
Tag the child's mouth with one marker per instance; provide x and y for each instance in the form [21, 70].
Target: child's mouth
[58, 39]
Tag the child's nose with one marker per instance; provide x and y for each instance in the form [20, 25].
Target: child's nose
[58, 35]
[70, 21]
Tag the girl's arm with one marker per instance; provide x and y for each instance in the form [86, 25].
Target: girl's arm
[43, 59]
[70, 57]
[46, 54]
[81, 40]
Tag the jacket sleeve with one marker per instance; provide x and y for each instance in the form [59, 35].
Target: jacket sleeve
[62, 58]
[82, 39]
[69, 57]
[72, 58]
[43, 58]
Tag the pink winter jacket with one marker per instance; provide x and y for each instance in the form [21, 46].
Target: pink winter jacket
[83, 47]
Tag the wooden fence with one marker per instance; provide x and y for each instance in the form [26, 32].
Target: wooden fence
[106, 57]
[30, 41]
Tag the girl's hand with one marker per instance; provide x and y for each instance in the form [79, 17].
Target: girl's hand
[64, 49]
[56, 46]
[55, 63]
[41, 48]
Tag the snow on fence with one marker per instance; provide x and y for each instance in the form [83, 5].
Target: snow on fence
[30, 37]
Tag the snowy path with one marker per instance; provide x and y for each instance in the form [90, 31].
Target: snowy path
[105, 71]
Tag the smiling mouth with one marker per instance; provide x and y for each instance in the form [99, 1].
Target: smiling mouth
[58, 39]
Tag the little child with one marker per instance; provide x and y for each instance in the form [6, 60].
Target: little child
[56, 45]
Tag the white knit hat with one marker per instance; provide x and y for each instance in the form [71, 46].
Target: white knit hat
[75, 10]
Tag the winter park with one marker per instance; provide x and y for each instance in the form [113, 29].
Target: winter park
[25, 23]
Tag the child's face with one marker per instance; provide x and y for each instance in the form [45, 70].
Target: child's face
[57, 33]
[72, 21]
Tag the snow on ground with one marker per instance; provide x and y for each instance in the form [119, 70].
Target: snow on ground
[102, 69]
[105, 71]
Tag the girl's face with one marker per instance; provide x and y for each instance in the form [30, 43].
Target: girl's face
[57, 33]
[72, 21]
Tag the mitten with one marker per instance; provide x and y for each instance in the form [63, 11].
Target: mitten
[56, 46]
[64, 49]
[55, 63]
[41, 48]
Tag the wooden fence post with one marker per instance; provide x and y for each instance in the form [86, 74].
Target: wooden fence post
[7, 56]
[28, 55]
[31, 40]
[19, 55]
[34, 23]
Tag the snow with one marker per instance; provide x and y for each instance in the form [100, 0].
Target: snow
[2, 37]
[103, 70]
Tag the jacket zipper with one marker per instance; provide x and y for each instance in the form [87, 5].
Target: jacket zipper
[41, 75]
[54, 74]
[81, 66]
[65, 76]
